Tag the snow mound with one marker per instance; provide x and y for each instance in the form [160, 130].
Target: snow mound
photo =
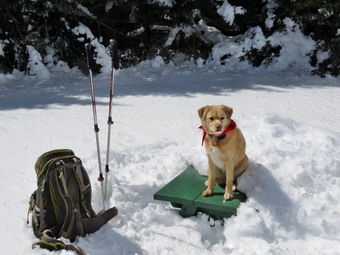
[35, 65]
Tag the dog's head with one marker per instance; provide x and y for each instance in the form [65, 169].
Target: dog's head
[215, 118]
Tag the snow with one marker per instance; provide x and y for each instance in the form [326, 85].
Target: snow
[290, 120]
[157, 62]
[83, 30]
[83, 9]
[108, 6]
[2, 48]
[172, 36]
[271, 5]
[35, 65]
[227, 11]
[270, 19]
[322, 56]
[295, 46]
[254, 39]
[167, 3]
[101, 57]
[295, 52]
[212, 34]
[5, 77]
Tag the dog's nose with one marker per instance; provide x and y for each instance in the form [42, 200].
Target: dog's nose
[218, 127]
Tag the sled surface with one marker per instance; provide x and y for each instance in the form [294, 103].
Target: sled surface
[185, 192]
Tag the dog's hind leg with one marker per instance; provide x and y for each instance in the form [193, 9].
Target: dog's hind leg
[241, 167]
[239, 170]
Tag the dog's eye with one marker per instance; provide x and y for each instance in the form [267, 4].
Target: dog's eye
[222, 118]
[211, 118]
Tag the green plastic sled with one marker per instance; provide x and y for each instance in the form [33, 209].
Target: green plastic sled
[185, 192]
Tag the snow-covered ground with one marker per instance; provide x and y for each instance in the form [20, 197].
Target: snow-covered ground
[291, 122]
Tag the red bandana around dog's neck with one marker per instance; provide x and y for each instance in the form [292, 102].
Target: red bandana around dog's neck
[231, 127]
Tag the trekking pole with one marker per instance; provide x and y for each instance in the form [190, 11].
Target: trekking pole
[90, 63]
[114, 65]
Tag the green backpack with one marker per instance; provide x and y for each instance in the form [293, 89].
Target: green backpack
[61, 205]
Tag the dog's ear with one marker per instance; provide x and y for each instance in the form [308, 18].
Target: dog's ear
[201, 112]
[228, 110]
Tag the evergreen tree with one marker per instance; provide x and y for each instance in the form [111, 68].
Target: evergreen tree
[147, 28]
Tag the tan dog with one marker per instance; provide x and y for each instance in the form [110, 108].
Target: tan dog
[225, 147]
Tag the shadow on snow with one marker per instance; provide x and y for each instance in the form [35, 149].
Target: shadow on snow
[73, 87]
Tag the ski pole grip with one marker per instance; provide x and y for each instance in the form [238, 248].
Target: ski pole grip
[114, 52]
[89, 56]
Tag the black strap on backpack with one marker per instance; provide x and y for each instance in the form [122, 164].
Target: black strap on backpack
[49, 242]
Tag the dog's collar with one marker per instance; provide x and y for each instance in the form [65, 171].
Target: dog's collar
[221, 136]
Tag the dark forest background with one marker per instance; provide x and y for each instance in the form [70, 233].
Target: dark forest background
[142, 27]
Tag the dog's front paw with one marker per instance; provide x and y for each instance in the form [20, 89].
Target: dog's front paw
[207, 192]
[228, 196]
[206, 183]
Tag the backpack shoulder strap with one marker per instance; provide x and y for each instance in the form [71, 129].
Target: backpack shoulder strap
[85, 187]
[69, 193]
